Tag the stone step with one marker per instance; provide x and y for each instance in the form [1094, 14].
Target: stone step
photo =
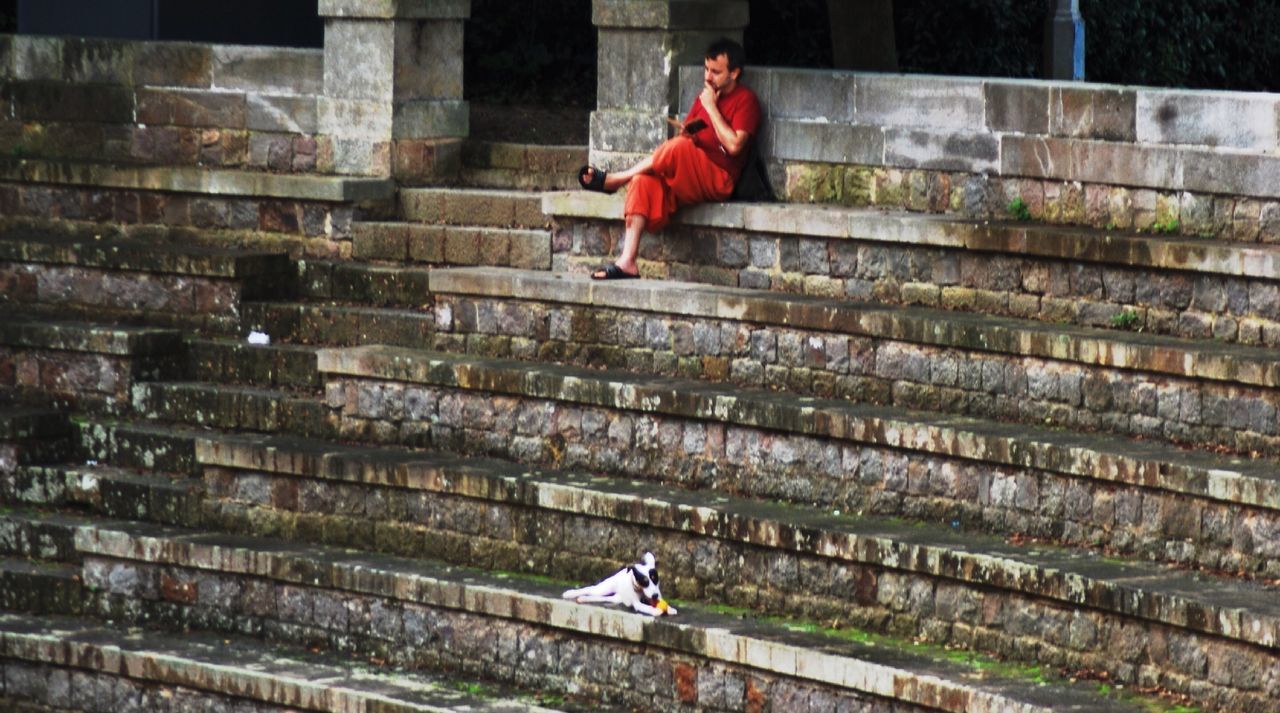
[519, 179]
[76, 663]
[1138, 497]
[473, 207]
[1192, 392]
[85, 365]
[250, 408]
[534, 158]
[1185, 286]
[38, 535]
[159, 284]
[516, 630]
[107, 490]
[339, 324]
[39, 588]
[362, 283]
[528, 167]
[452, 244]
[910, 580]
[235, 361]
[133, 446]
[32, 434]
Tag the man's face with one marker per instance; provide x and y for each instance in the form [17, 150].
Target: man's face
[716, 73]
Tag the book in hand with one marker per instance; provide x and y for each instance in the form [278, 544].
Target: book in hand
[692, 127]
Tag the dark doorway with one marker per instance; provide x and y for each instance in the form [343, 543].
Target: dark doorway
[288, 23]
[530, 70]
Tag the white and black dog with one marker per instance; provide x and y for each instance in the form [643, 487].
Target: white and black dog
[635, 586]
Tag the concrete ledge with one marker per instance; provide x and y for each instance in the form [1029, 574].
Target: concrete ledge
[803, 220]
[1081, 579]
[335, 189]
[397, 9]
[226, 669]
[19, 246]
[1094, 456]
[900, 674]
[89, 337]
[21, 422]
[979, 332]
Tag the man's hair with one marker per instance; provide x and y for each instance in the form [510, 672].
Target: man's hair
[730, 49]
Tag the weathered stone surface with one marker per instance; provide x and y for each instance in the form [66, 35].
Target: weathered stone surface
[267, 112]
[269, 70]
[918, 101]
[974, 153]
[827, 142]
[1021, 107]
[397, 9]
[1215, 119]
[806, 96]
[708, 15]
[1093, 113]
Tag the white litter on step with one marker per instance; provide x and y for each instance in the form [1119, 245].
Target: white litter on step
[259, 338]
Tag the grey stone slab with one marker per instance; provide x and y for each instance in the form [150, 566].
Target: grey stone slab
[356, 118]
[428, 60]
[97, 60]
[397, 9]
[1214, 119]
[920, 101]
[173, 64]
[282, 113]
[270, 70]
[826, 142]
[199, 180]
[431, 119]
[626, 131]
[811, 95]
[974, 153]
[633, 71]
[1019, 107]
[36, 58]
[1091, 161]
[582, 204]
[1143, 165]
[1093, 113]
[1232, 173]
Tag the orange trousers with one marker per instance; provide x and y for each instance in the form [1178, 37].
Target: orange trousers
[682, 175]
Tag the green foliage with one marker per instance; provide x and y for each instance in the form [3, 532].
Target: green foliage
[1019, 210]
[1210, 44]
[991, 38]
[1167, 227]
[1128, 319]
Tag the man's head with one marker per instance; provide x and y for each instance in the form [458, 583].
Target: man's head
[722, 64]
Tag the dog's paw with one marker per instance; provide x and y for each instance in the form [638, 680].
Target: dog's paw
[671, 611]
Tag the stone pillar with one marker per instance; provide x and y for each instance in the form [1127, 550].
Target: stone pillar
[392, 101]
[643, 44]
[1064, 42]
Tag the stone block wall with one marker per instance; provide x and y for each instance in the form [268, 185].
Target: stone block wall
[1196, 162]
[162, 103]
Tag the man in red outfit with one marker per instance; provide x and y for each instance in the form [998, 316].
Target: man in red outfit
[700, 164]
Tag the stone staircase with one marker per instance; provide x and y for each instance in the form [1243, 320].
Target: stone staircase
[860, 499]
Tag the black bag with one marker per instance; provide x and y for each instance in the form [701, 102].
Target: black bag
[753, 185]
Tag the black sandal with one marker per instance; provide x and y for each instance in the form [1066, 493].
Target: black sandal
[612, 272]
[596, 182]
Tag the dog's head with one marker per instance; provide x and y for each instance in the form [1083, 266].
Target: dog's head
[644, 578]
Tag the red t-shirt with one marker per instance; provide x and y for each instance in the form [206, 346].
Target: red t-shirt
[741, 109]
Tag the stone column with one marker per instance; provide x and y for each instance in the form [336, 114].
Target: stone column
[643, 44]
[1064, 42]
[392, 102]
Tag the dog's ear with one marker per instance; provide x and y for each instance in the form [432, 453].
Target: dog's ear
[648, 559]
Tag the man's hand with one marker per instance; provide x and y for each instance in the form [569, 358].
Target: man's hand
[709, 96]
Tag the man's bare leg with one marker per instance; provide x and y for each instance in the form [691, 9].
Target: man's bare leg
[630, 247]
